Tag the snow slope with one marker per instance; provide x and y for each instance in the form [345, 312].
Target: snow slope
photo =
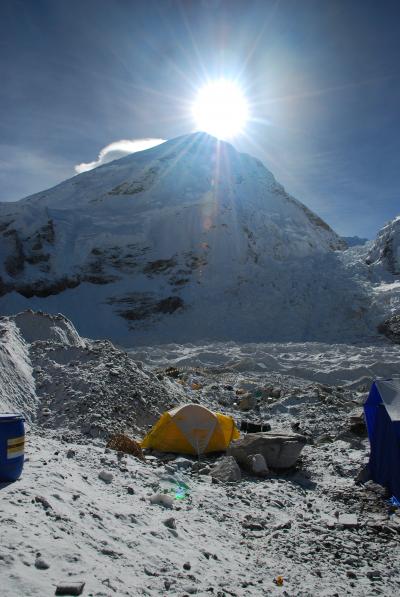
[188, 240]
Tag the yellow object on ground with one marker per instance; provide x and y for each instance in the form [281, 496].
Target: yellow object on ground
[191, 429]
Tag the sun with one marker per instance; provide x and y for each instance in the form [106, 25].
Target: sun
[221, 109]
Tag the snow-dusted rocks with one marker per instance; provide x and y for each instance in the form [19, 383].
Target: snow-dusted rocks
[280, 450]
[226, 470]
[162, 499]
[57, 379]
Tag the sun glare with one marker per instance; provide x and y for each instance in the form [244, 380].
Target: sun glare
[221, 109]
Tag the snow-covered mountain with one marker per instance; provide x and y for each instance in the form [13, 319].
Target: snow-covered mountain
[188, 240]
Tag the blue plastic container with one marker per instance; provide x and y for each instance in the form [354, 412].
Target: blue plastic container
[12, 444]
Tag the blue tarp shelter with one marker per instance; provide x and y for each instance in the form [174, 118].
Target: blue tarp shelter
[382, 415]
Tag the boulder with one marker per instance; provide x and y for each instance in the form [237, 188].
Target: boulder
[357, 423]
[280, 450]
[258, 465]
[248, 402]
[226, 470]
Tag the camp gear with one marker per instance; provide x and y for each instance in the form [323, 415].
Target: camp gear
[191, 429]
[250, 427]
[123, 443]
[12, 440]
[382, 414]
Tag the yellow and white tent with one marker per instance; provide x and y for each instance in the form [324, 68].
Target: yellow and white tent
[191, 429]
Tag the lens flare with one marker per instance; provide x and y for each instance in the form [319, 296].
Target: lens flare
[221, 109]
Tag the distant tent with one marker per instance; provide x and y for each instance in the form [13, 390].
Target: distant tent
[191, 429]
[382, 414]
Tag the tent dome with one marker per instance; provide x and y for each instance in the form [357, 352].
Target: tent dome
[191, 429]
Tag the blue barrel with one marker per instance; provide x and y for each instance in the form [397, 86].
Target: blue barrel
[12, 443]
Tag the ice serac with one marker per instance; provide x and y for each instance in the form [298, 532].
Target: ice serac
[188, 240]
[385, 250]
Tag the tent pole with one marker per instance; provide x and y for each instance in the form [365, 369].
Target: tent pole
[198, 456]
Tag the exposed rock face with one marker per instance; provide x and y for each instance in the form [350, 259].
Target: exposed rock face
[226, 470]
[391, 328]
[280, 450]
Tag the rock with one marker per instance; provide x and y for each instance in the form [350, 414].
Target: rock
[70, 588]
[106, 477]
[226, 470]
[71, 453]
[201, 468]
[348, 521]
[189, 590]
[41, 564]
[258, 465]
[374, 574]
[162, 499]
[276, 393]
[240, 392]
[39, 499]
[130, 490]
[357, 423]
[170, 523]
[187, 566]
[280, 450]
[363, 475]
[248, 402]
[379, 490]
[183, 463]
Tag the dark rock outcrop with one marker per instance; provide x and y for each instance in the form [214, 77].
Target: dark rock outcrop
[391, 328]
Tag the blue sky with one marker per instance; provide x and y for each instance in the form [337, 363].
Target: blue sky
[322, 78]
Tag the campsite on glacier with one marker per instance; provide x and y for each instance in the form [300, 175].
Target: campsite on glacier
[188, 280]
[199, 298]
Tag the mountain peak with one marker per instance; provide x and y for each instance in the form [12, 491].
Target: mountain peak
[167, 232]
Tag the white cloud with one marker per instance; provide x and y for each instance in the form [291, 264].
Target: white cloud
[118, 149]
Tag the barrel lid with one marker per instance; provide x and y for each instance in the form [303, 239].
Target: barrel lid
[7, 417]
